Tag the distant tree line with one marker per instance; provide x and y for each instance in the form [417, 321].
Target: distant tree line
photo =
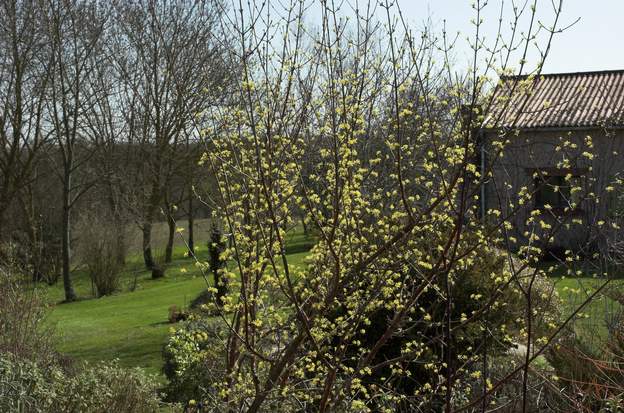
[101, 109]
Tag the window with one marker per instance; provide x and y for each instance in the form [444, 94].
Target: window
[550, 191]
[555, 190]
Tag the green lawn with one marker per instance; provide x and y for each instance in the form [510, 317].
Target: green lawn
[592, 325]
[132, 325]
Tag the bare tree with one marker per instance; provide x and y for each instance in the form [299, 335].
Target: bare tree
[24, 75]
[172, 70]
[74, 31]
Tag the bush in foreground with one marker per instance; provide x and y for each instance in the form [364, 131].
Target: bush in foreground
[34, 377]
[194, 361]
[22, 312]
[27, 386]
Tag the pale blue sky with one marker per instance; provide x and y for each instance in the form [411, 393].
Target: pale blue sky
[596, 42]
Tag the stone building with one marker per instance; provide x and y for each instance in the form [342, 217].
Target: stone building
[555, 147]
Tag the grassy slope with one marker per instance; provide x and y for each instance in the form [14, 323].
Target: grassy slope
[132, 326]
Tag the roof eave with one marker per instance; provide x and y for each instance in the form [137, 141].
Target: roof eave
[554, 128]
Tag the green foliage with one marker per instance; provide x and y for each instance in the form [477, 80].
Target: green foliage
[204, 298]
[194, 362]
[25, 386]
[472, 285]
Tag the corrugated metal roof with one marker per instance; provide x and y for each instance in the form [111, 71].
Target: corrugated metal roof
[562, 100]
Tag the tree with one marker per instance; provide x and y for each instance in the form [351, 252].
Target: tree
[74, 31]
[171, 72]
[24, 75]
[408, 295]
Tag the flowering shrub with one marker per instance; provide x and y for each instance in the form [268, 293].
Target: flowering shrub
[421, 357]
[193, 361]
[415, 282]
[26, 386]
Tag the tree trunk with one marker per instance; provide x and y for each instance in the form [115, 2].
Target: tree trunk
[152, 208]
[169, 248]
[303, 223]
[191, 226]
[37, 274]
[26, 204]
[147, 245]
[33, 241]
[70, 294]
[3, 208]
[122, 244]
[148, 223]
[120, 223]
[157, 270]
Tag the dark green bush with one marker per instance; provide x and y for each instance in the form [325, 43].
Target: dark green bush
[216, 246]
[203, 298]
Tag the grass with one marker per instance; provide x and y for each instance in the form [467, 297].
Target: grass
[132, 326]
[592, 325]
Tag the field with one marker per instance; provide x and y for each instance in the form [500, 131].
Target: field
[132, 325]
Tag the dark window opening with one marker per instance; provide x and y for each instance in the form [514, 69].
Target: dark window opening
[556, 191]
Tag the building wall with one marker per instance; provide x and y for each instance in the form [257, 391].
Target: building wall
[533, 151]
